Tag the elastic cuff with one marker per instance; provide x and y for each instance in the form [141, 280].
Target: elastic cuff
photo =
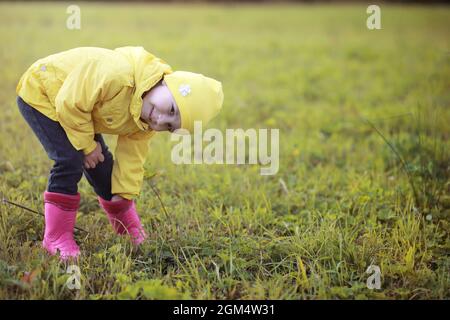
[115, 207]
[62, 200]
[90, 148]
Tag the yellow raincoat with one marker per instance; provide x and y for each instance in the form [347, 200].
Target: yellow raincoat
[92, 90]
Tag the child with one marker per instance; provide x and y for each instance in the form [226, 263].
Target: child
[71, 97]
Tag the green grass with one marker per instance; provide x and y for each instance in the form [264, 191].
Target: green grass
[316, 73]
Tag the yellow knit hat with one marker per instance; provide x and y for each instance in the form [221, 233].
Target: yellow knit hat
[198, 97]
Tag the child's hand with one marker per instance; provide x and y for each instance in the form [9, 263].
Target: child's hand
[91, 159]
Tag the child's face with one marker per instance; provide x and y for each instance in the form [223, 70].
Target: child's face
[159, 109]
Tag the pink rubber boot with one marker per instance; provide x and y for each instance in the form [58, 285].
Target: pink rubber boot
[60, 215]
[124, 218]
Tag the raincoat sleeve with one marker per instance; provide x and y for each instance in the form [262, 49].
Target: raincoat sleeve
[128, 169]
[87, 84]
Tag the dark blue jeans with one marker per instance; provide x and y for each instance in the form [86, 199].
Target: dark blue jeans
[68, 165]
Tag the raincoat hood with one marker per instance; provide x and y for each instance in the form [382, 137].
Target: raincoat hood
[148, 70]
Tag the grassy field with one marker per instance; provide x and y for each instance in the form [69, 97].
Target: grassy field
[364, 157]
